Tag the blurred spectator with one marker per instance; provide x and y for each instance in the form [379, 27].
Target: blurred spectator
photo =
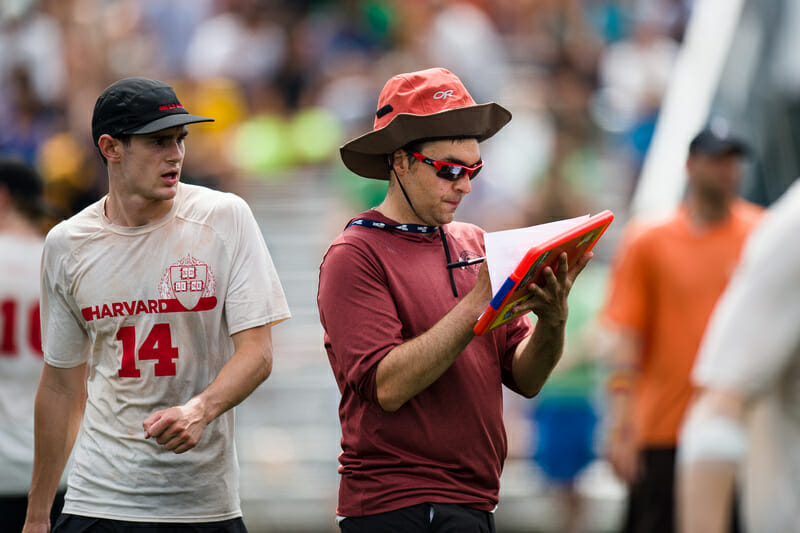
[31, 42]
[25, 122]
[746, 418]
[68, 167]
[21, 245]
[667, 277]
[633, 77]
[475, 50]
[31, 78]
[671, 15]
[243, 41]
[515, 159]
[171, 25]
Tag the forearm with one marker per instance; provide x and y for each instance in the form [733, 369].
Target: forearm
[413, 366]
[623, 370]
[250, 365]
[622, 353]
[58, 412]
[180, 428]
[536, 356]
[705, 496]
[712, 444]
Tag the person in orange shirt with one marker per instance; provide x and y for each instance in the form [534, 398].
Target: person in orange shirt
[667, 278]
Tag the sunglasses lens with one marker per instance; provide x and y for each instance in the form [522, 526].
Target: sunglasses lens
[451, 172]
[454, 172]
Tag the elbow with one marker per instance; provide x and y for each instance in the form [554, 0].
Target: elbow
[529, 384]
[389, 403]
[384, 389]
[265, 369]
[530, 392]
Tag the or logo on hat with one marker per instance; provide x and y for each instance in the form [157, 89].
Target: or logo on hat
[443, 94]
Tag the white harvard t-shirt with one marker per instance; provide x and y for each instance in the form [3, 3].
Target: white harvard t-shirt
[151, 309]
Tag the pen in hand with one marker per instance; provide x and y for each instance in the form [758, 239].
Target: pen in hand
[467, 262]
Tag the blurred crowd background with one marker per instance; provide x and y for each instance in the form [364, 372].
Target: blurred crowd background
[288, 81]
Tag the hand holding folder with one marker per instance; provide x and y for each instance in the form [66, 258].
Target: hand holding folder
[518, 257]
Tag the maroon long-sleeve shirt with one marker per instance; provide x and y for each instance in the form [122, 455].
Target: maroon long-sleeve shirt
[378, 289]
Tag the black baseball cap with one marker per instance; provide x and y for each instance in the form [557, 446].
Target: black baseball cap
[134, 106]
[717, 141]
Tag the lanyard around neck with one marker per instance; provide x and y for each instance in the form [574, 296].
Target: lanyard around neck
[411, 228]
[408, 228]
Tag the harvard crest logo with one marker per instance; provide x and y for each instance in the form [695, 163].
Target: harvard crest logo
[187, 280]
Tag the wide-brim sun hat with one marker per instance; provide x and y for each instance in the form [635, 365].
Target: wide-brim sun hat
[426, 104]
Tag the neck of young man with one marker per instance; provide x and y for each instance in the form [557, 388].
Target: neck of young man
[133, 211]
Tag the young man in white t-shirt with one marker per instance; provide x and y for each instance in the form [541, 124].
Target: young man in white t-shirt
[157, 306]
[21, 244]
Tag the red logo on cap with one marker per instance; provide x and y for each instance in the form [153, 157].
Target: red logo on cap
[170, 106]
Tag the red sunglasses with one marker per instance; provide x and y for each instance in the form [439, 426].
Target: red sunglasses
[450, 171]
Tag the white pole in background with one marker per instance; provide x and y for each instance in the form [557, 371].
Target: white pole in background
[686, 104]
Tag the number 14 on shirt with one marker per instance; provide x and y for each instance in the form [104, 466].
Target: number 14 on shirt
[156, 346]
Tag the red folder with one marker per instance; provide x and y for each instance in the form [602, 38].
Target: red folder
[575, 241]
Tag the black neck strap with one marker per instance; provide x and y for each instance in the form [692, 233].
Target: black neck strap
[408, 228]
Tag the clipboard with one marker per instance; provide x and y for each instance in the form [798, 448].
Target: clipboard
[575, 241]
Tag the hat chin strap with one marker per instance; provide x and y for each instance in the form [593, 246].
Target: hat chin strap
[400, 183]
[441, 230]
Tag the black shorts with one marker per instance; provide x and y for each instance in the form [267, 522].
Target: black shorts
[424, 518]
[651, 501]
[70, 523]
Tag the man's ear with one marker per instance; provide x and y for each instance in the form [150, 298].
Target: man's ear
[109, 147]
[398, 161]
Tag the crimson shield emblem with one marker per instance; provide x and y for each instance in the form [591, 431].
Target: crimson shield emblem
[187, 283]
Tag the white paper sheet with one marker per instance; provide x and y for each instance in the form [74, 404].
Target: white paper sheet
[505, 249]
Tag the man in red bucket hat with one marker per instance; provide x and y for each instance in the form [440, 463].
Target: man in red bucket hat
[423, 441]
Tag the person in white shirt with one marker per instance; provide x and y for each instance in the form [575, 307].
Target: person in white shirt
[21, 243]
[157, 306]
[745, 423]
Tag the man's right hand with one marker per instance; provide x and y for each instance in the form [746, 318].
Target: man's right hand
[36, 526]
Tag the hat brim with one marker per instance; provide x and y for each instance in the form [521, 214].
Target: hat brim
[366, 155]
[170, 121]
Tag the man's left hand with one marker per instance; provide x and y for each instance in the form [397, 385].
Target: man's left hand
[549, 302]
